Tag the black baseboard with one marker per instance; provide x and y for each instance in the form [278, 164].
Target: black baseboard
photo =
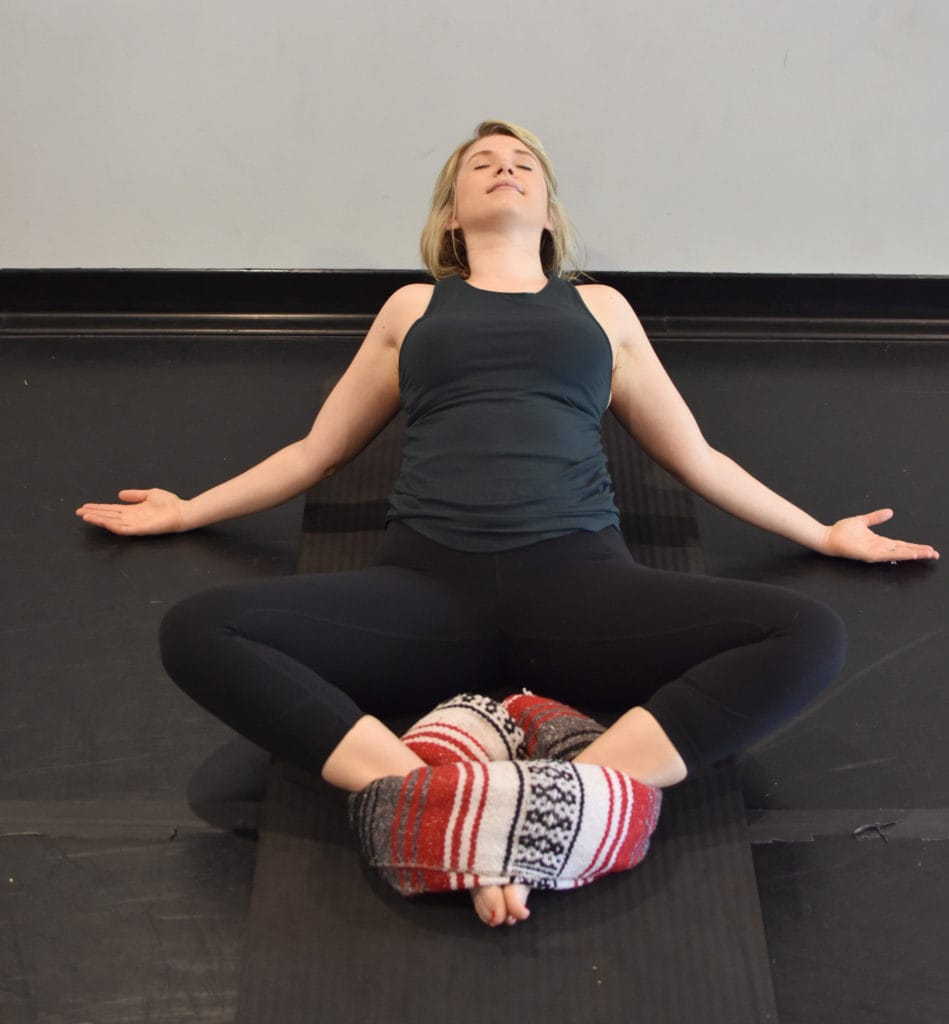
[318, 302]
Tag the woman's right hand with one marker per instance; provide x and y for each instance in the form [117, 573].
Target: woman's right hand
[144, 512]
[363, 401]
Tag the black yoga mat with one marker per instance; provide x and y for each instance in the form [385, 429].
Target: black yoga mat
[680, 938]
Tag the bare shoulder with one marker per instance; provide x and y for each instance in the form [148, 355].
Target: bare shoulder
[403, 307]
[411, 300]
[612, 311]
[605, 297]
[604, 291]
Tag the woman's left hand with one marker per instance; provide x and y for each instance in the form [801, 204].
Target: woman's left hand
[854, 538]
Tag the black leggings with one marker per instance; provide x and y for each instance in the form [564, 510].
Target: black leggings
[293, 663]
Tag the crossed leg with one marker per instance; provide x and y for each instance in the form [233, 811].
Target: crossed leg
[475, 729]
[710, 665]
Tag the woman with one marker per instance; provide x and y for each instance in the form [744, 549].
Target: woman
[502, 565]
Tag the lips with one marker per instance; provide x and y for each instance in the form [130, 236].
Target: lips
[504, 184]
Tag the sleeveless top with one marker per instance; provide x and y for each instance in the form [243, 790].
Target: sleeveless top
[503, 395]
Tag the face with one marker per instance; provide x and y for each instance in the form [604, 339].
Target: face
[498, 176]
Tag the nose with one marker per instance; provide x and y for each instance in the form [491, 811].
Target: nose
[505, 165]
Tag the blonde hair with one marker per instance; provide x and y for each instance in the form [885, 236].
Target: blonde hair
[443, 248]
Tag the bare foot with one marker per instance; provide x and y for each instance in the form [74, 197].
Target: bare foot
[495, 904]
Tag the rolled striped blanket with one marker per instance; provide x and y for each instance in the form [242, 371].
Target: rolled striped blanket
[524, 726]
[548, 824]
[551, 730]
[468, 727]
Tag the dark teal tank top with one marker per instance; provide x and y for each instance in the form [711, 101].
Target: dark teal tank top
[503, 395]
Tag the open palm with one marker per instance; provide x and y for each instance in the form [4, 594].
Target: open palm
[144, 512]
[854, 538]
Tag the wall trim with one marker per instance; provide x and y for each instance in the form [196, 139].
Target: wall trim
[312, 303]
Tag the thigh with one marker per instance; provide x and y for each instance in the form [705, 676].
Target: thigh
[390, 639]
[611, 634]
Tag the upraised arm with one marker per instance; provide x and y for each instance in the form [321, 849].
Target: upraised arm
[364, 400]
[649, 406]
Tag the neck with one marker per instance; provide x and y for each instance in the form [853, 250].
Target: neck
[502, 263]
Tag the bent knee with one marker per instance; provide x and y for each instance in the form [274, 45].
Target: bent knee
[821, 640]
[190, 631]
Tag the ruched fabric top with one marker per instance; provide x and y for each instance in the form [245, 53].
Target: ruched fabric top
[504, 394]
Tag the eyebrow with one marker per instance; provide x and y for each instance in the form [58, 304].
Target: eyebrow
[490, 152]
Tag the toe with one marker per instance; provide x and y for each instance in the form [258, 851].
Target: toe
[515, 901]
[489, 904]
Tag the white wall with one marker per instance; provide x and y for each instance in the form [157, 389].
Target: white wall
[725, 135]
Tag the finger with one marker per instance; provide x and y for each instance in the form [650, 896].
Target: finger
[108, 511]
[132, 495]
[111, 521]
[902, 551]
[489, 904]
[881, 515]
[515, 898]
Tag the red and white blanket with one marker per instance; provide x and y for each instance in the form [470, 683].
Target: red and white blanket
[497, 805]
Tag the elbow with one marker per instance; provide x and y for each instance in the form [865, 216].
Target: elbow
[694, 467]
[317, 463]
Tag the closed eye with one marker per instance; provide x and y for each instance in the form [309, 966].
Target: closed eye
[520, 167]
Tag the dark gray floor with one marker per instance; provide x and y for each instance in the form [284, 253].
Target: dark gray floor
[856, 928]
[842, 429]
[122, 900]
